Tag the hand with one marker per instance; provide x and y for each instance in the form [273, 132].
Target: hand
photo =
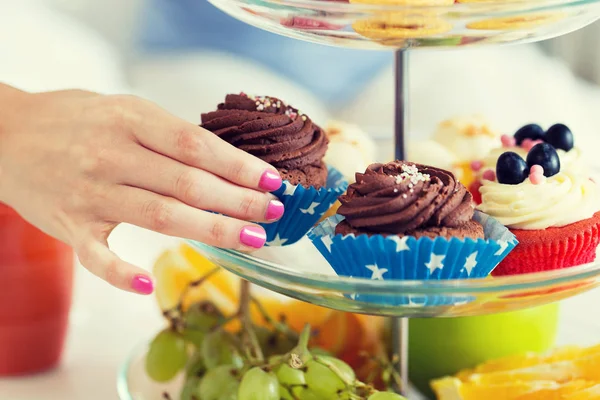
[76, 164]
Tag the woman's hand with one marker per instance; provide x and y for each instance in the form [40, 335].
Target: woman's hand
[76, 164]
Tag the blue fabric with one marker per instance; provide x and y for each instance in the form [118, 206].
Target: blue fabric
[334, 74]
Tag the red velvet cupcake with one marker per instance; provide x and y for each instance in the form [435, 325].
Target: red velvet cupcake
[554, 214]
[552, 248]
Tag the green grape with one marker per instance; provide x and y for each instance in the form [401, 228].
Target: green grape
[291, 380]
[203, 316]
[195, 366]
[285, 394]
[190, 387]
[323, 381]
[346, 395]
[289, 376]
[385, 396]
[166, 356]
[308, 394]
[258, 385]
[231, 394]
[346, 371]
[218, 382]
[195, 337]
[218, 349]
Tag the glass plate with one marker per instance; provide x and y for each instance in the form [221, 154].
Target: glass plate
[299, 271]
[381, 24]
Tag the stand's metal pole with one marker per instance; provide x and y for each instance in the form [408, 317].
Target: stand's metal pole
[400, 325]
[400, 348]
[401, 103]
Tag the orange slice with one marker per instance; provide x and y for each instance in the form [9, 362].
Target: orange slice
[455, 389]
[587, 368]
[175, 269]
[591, 393]
[565, 353]
[563, 392]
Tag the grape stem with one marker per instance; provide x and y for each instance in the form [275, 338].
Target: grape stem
[389, 372]
[300, 355]
[249, 335]
[304, 337]
[277, 326]
[194, 284]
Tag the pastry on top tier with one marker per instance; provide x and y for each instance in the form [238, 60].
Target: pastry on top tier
[276, 133]
[407, 199]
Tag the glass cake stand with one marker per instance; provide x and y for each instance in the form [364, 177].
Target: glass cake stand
[399, 25]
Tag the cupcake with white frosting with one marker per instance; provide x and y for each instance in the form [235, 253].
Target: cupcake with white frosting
[558, 135]
[552, 210]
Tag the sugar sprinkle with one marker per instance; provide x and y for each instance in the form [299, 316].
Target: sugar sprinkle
[412, 174]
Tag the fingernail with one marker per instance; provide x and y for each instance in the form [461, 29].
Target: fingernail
[253, 236]
[270, 181]
[142, 284]
[274, 210]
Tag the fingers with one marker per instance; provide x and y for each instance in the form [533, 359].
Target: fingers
[96, 257]
[171, 217]
[197, 147]
[198, 188]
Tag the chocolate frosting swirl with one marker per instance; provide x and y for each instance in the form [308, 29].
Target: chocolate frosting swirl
[269, 129]
[402, 198]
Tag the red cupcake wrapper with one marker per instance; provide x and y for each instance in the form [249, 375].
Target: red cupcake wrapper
[552, 248]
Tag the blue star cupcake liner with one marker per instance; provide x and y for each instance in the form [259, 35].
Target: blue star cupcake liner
[407, 258]
[304, 207]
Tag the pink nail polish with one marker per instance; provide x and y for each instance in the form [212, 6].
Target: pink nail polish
[274, 210]
[142, 284]
[253, 236]
[270, 181]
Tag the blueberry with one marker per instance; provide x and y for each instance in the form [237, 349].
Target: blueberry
[511, 169]
[560, 136]
[545, 155]
[531, 131]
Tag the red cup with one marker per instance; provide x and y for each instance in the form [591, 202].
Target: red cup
[36, 280]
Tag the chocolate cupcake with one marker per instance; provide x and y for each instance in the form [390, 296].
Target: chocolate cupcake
[406, 199]
[274, 132]
[291, 142]
[414, 222]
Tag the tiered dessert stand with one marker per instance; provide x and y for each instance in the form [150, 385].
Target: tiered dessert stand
[402, 28]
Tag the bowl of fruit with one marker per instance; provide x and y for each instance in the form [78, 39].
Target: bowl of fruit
[203, 355]
[211, 351]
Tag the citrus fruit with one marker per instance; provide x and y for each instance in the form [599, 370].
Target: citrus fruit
[455, 389]
[336, 332]
[575, 388]
[174, 270]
